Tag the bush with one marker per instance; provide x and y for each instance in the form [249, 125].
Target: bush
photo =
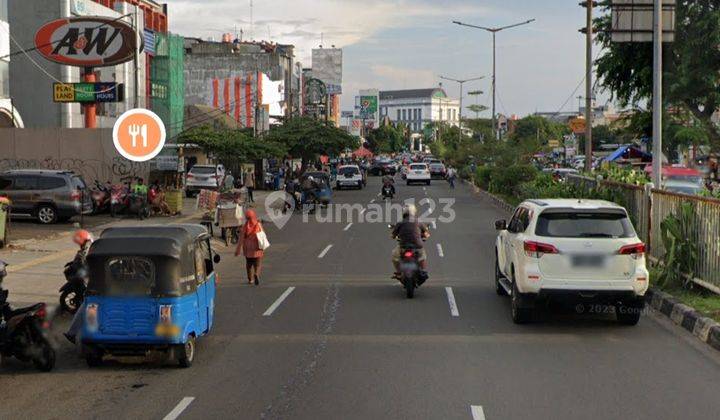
[543, 186]
[483, 175]
[505, 180]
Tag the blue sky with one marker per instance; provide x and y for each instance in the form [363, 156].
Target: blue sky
[396, 44]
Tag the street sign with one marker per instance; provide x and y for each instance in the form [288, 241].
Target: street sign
[553, 143]
[88, 92]
[577, 125]
[86, 41]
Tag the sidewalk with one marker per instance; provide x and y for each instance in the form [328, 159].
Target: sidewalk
[35, 271]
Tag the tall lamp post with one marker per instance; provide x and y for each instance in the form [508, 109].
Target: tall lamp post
[494, 31]
[461, 83]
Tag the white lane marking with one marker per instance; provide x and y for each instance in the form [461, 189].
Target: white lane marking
[348, 226]
[372, 201]
[182, 405]
[451, 301]
[434, 225]
[279, 301]
[440, 250]
[379, 194]
[477, 412]
[325, 251]
[424, 189]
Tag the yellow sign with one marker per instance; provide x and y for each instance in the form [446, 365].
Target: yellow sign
[577, 125]
[63, 92]
[553, 143]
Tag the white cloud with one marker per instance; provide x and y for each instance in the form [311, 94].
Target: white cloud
[341, 23]
[403, 77]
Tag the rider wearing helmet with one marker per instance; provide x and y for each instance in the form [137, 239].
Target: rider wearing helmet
[410, 235]
[83, 239]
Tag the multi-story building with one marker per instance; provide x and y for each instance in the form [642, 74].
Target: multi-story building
[249, 81]
[33, 76]
[9, 117]
[418, 107]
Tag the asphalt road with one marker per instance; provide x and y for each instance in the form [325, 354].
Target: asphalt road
[346, 344]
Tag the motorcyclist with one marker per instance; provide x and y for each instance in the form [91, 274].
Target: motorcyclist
[388, 181]
[410, 235]
[309, 189]
[83, 239]
[140, 188]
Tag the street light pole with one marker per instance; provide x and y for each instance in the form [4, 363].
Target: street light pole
[461, 82]
[588, 87]
[657, 94]
[494, 31]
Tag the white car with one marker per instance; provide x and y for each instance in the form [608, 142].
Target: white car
[585, 251]
[349, 176]
[683, 187]
[204, 177]
[418, 172]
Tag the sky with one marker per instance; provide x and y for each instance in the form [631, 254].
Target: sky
[405, 44]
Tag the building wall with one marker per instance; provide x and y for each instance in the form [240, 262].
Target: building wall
[418, 112]
[32, 89]
[89, 152]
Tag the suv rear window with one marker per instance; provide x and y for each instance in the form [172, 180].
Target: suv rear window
[78, 183]
[348, 170]
[204, 170]
[420, 167]
[584, 224]
[50, 183]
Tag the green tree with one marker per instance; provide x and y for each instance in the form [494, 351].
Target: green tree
[308, 138]
[386, 139]
[691, 65]
[231, 146]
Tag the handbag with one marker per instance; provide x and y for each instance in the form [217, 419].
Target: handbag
[262, 239]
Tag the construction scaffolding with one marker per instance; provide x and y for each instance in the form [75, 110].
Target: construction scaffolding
[168, 83]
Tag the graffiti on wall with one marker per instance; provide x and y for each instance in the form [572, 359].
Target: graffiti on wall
[90, 169]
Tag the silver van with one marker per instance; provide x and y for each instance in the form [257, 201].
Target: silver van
[48, 196]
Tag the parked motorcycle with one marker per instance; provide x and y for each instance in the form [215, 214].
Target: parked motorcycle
[118, 199]
[137, 204]
[23, 331]
[72, 293]
[101, 197]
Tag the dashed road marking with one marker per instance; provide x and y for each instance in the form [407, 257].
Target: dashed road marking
[279, 301]
[325, 251]
[348, 226]
[440, 250]
[434, 224]
[451, 301]
[179, 408]
[477, 412]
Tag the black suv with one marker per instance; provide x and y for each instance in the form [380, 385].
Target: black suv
[48, 196]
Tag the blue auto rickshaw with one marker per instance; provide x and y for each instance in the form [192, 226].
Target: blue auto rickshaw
[150, 288]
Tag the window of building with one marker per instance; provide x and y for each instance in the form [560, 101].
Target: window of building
[398, 116]
[441, 114]
[404, 114]
[420, 114]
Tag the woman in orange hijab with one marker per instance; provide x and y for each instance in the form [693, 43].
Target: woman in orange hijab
[248, 245]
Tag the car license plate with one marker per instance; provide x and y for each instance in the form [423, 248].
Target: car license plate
[588, 261]
[418, 172]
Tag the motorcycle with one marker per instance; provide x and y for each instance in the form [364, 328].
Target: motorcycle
[137, 204]
[23, 331]
[118, 199]
[72, 293]
[101, 197]
[411, 275]
[387, 192]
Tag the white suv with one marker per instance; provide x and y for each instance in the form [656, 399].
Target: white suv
[204, 177]
[570, 249]
[418, 172]
[349, 176]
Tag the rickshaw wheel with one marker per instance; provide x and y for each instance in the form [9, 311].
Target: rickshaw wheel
[187, 352]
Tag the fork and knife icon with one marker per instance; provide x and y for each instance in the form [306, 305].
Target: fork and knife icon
[135, 130]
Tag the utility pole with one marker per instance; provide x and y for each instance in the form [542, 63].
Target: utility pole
[588, 84]
[461, 83]
[494, 31]
[657, 94]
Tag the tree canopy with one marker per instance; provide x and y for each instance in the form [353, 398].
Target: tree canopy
[386, 139]
[691, 65]
[231, 145]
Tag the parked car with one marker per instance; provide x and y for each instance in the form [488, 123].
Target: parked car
[45, 195]
[418, 172]
[204, 177]
[349, 176]
[583, 251]
[683, 187]
[437, 170]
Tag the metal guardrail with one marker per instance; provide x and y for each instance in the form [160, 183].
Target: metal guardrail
[649, 207]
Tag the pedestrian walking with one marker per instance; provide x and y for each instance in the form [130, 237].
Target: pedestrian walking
[252, 244]
[250, 184]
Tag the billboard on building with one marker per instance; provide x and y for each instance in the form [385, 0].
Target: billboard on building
[368, 106]
[327, 66]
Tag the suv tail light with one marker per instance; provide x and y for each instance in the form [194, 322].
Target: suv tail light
[634, 250]
[538, 249]
[190, 176]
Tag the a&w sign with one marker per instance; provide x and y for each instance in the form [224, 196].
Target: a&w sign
[86, 41]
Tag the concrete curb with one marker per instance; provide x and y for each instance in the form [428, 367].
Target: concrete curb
[703, 328]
